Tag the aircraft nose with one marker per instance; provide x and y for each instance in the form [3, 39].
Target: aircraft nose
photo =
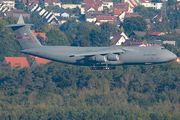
[172, 56]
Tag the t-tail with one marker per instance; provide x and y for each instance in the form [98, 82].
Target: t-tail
[24, 35]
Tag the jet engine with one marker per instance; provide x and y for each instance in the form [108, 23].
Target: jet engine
[100, 58]
[112, 57]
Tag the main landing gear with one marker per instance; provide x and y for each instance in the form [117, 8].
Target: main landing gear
[103, 68]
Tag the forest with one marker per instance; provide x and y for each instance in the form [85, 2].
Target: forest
[60, 91]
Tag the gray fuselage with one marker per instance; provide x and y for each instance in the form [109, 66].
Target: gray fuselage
[130, 55]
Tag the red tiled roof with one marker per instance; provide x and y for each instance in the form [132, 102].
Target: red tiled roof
[146, 1]
[24, 1]
[17, 61]
[120, 8]
[41, 34]
[31, 1]
[40, 61]
[155, 33]
[94, 5]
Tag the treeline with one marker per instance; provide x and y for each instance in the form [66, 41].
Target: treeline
[60, 91]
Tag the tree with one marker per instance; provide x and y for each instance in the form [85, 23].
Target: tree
[36, 20]
[171, 2]
[19, 5]
[56, 37]
[134, 23]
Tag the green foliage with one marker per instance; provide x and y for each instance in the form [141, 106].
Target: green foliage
[56, 37]
[19, 5]
[134, 24]
[88, 34]
[36, 20]
[147, 13]
[50, 7]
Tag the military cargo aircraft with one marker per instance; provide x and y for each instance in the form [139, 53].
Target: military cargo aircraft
[97, 57]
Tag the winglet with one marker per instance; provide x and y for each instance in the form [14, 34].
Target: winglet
[20, 20]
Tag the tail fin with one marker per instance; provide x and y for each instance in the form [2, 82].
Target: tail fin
[24, 34]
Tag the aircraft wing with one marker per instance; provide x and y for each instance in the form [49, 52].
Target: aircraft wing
[98, 52]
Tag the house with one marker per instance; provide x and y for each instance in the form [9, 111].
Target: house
[132, 3]
[169, 42]
[177, 31]
[155, 42]
[146, 3]
[105, 18]
[52, 2]
[91, 5]
[138, 33]
[108, 3]
[135, 43]
[122, 16]
[131, 14]
[122, 7]
[58, 12]
[66, 15]
[158, 17]
[156, 33]
[8, 3]
[70, 6]
[46, 15]
[16, 13]
[118, 38]
[91, 16]
[50, 26]
[29, 2]
[43, 35]
[150, 25]
[16, 61]
[38, 61]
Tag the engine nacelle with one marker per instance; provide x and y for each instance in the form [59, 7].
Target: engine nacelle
[100, 58]
[112, 57]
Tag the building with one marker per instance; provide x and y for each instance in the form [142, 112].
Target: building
[105, 18]
[52, 2]
[118, 38]
[138, 33]
[156, 33]
[70, 6]
[155, 42]
[8, 3]
[122, 7]
[131, 14]
[38, 61]
[46, 15]
[135, 43]
[91, 5]
[16, 61]
[16, 13]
